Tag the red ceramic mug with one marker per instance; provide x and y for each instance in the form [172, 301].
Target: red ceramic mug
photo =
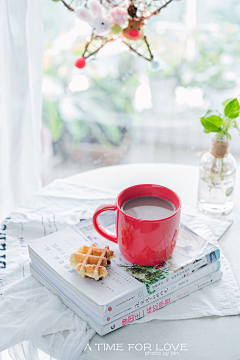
[143, 242]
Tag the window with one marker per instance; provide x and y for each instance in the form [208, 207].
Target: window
[120, 110]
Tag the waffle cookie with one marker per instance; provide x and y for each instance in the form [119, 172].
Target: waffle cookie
[90, 261]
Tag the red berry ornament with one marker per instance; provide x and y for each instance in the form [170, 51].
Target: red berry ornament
[80, 63]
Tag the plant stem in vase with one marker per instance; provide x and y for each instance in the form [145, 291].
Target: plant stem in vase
[217, 174]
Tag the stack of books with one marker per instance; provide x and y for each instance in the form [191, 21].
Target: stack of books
[129, 291]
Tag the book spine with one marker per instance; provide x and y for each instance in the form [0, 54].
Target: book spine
[158, 288]
[186, 270]
[182, 282]
[155, 306]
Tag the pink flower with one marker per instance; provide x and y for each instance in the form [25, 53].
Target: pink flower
[118, 15]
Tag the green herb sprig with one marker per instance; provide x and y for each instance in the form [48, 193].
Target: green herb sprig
[221, 124]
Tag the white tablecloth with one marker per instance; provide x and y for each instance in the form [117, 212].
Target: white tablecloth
[28, 311]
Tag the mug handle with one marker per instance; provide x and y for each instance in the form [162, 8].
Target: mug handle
[100, 229]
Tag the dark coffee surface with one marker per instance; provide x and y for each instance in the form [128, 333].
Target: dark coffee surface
[148, 208]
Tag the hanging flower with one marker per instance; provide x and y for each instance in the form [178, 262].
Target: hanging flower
[118, 15]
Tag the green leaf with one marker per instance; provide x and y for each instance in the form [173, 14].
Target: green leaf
[232, 109]
[227, 101]
[206, 131]
[212, 122]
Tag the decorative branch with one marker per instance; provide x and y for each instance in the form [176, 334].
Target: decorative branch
[148, 47]
[158, 10]
[109, 1]
[67, 6]
[86, 45]
[105, 41]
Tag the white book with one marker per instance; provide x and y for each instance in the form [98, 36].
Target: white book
[111, 316]
[125, 283]
[136, 314]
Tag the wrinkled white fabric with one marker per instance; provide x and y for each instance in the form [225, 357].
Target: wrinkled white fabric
[31, 317]
[42, 314]
[21, 39]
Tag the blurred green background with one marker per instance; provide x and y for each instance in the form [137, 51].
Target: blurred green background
[117, 109]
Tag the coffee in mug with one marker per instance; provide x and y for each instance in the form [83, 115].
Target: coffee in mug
[148, 208]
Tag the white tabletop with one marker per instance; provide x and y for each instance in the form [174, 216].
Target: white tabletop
[206, 338]
[215, 338]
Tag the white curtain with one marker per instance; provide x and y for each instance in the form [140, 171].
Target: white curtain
[21, 42]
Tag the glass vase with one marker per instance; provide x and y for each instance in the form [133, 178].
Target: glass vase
[217, 173]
